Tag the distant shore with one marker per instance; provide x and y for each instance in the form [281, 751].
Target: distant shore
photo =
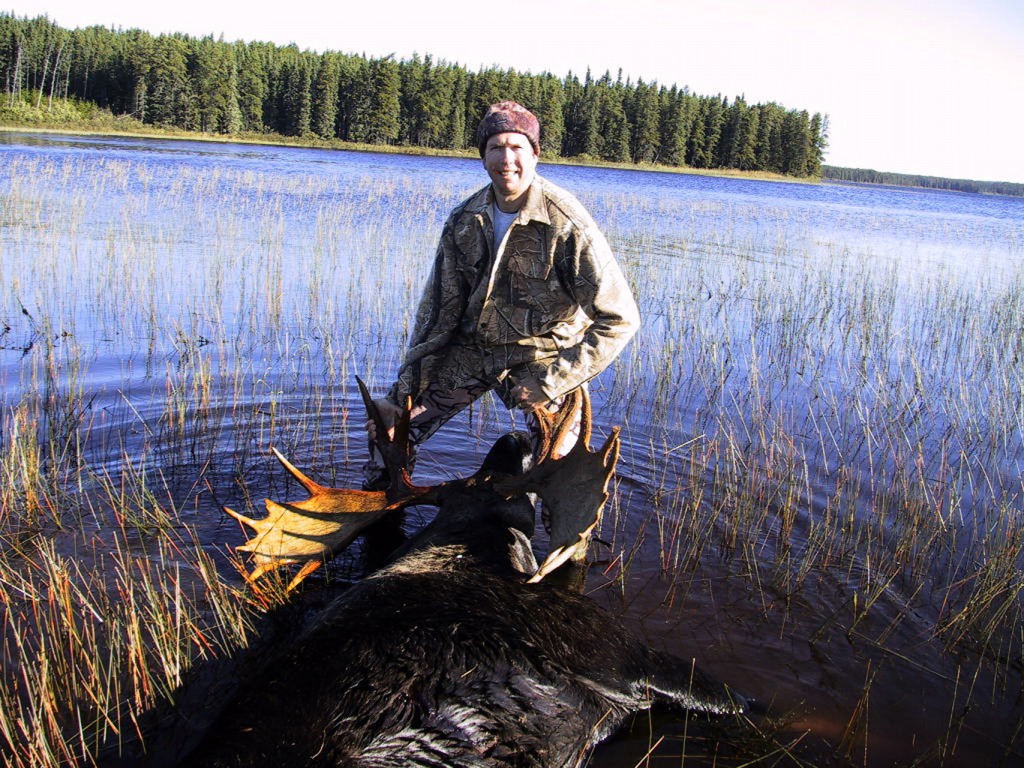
[108, 125]
[130, 128]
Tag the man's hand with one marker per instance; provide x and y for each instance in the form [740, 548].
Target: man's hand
[528, 395]
[389, 413]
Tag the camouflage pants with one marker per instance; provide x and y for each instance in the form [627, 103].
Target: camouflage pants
[440, 406]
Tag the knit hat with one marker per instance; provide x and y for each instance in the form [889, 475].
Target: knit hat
[508, 117]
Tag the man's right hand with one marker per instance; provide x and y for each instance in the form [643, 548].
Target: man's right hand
[389, 413]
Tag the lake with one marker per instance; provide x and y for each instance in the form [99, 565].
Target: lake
[819, 496]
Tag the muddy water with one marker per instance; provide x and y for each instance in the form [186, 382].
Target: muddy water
[242, 287]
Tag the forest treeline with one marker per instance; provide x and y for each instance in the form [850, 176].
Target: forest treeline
[869, 176]
[210, 85]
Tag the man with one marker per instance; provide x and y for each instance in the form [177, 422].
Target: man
[525, 297]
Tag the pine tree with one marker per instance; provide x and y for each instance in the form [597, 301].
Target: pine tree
[571, 115]
[745, 147]
[455, 132]
[167, 82]
[697, 152]
[140, 63]
[93, 49]
[297, 95]
[739, 136]
[796, 138]
[437, 103]
[10, 58]
[353, 98]
[614, 128]
[486, 87]
[768, 145]
[215, 83]
[411, 114]
[676, 121]
[208, 85]
[550, 113]
[714, 123]
[819, 143]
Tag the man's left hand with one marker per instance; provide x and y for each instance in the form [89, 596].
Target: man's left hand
[528, 395]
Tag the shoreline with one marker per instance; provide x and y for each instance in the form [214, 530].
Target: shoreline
[311, 142]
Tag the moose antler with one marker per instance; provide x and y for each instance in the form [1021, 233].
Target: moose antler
[574, 487]
[316, 529]
[310, 532]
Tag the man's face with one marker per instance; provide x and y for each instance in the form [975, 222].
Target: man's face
[511, 163]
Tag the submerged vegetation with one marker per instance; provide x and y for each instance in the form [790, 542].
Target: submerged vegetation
[820, 478]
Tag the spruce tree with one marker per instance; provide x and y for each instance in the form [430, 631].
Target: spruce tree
[383, 105]
[550, 113]
[215, 84]
[167, 82]
[645, 117]
[206, 84]
[325, 97]
[297, 96]
[252, 84]
[437, 104]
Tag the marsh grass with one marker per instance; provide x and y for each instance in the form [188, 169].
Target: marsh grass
[822, 441]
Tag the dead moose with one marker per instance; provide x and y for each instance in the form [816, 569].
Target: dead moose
[456, 653]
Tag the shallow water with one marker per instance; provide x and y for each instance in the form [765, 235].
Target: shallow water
[202, 302]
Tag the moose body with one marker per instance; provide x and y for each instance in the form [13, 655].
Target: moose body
[449, 657]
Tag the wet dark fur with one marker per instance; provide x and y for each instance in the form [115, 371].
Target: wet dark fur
[448, 658]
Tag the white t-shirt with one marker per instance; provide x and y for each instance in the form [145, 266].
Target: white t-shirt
[502, 221]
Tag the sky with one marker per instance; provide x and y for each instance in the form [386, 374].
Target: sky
[933, 87]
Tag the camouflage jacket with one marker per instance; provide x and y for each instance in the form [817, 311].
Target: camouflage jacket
[550, 304]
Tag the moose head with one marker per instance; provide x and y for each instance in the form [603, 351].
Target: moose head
[574, 488]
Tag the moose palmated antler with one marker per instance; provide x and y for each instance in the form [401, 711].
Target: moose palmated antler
[310, 531]
[316, 529]
[574, 487]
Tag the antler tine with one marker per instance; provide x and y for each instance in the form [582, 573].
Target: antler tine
[545, 421]
[586, 416]
[401, 428]
[393, 449]
[254, 524]
[310, 485]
